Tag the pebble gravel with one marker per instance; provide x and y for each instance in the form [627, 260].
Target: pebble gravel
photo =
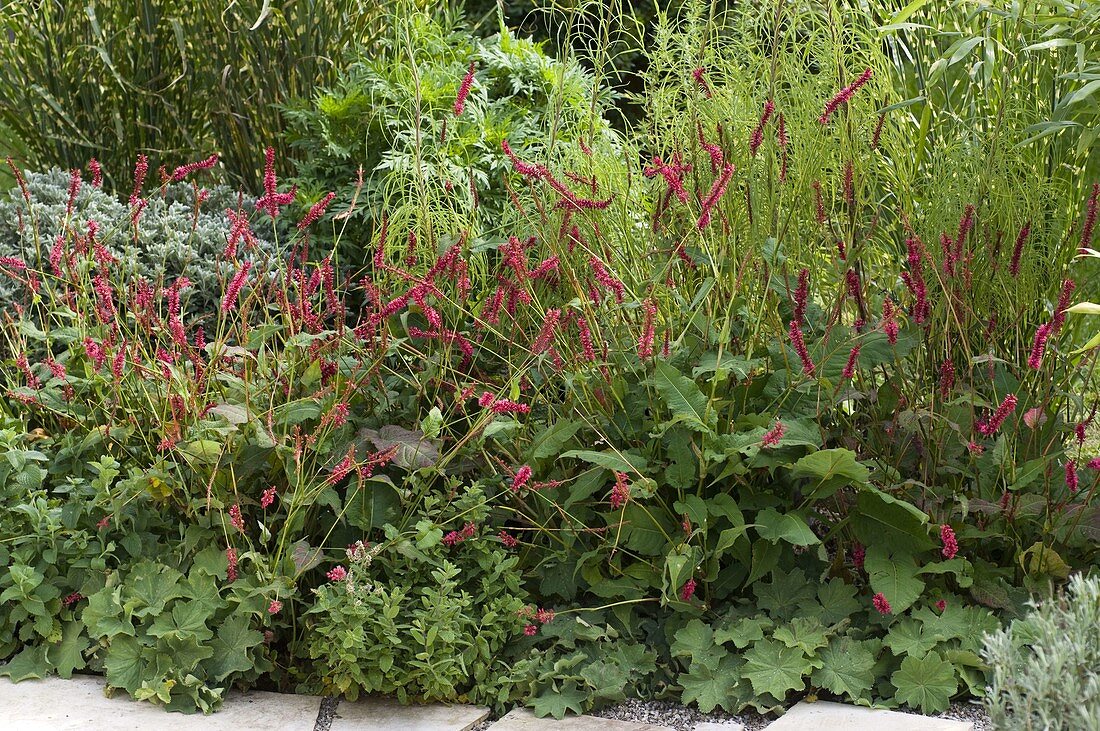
[326, 713]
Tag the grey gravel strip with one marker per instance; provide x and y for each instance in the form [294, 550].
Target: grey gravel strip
[326, 713]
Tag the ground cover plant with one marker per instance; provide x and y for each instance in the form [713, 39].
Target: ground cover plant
[749, 402]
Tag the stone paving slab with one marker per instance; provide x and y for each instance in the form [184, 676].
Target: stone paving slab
[825, 716]
[718, 726]
[54, 704]
[521, 719]
[386, 714]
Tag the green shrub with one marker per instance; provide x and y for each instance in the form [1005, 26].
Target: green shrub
[1044, 669]
[415, 617]
[431, 172]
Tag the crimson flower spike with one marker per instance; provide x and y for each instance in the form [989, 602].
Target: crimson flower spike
[843, 96]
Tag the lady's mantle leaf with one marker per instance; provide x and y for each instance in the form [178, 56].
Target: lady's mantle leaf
[555, 703]
[847, 668]
[775, 669]
[710, 687]
[926, 683]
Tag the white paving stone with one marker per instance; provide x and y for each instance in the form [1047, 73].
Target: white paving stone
[825, 716]
[386, 714]
[718, 726]
[522, 719]
[54, 704]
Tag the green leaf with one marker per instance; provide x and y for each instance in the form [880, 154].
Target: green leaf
[68, 655]
[696, 640]
[124, 664]
[30, 663]
[831, 469]
[103, 615]
[373, 503]
[646, 528]
[925, 682]
[910, 637]
[711, 687]
[549, 442]
[557, 701]
[791, 528]
[688, 404]
[607, 679]
[895, 576]
[149, 587]
[838, 600]
[847, 668]
[882, 518]
[744, 631]
[774, 668]
[186, 620]
[616, 461]
[804, 633]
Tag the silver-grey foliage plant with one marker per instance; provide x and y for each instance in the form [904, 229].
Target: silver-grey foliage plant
[172, 239]
[1044, 669]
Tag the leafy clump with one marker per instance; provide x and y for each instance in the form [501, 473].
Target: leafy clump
[423, 616]
[1044, 669]
[391, 119]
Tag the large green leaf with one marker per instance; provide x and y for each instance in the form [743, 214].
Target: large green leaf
[744, 631]
[124, 664]
[695, 640]
[688, 403]
[646, 528]
[628, 462]
[774, 668]
[829, 470]
[895, 576]
[231, 648]
[549, 442]
[847, 668]
[373, 503]
[149, 587]
[557, 701]
[882, 518]
[804, 633]
[925, 682]
[910, 637]
[30, 663]
[711, 687]
[104, 614]
[186, 620]
[791, 527]
[68, 655]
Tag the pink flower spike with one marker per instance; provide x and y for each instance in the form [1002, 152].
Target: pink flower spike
[1071, 476]
[688, 590]
[316, 211]
[229, 301]
[881, 604]
[523, 476]
[275, 607]
[772, 437]
[464, 90]
[850, 367]
[843, 96]
[184, 170]
[338, 573]
[950, 545]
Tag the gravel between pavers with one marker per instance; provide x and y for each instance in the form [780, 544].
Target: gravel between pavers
[326, 713]
[682, 718]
